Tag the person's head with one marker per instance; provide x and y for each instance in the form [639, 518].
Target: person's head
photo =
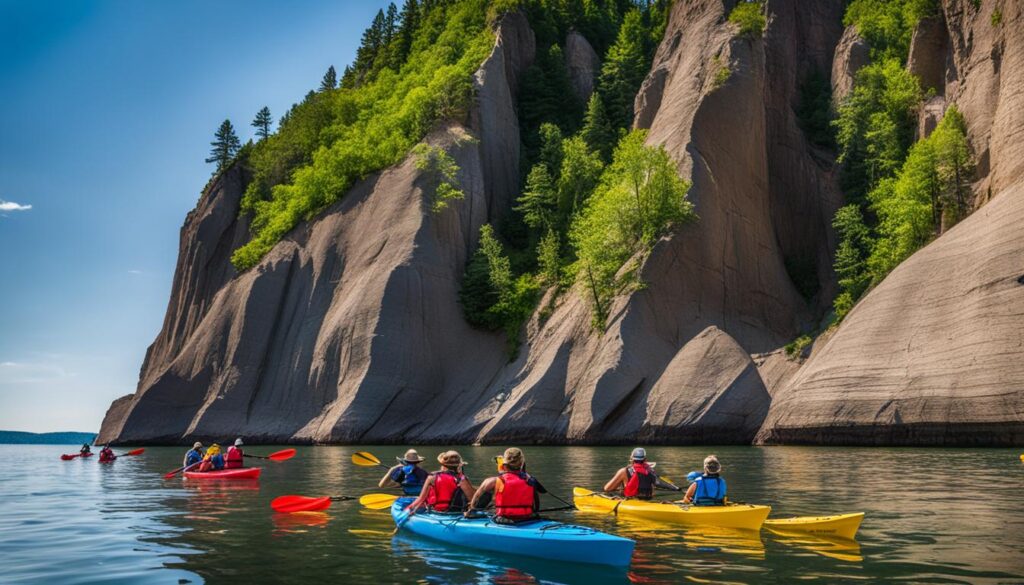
[450, 460]
[197, 445]
[712, 465]
[238, 442]
[513, 459]
[411, 457]
[639, 455]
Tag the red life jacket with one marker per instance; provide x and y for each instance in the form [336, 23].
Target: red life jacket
[514, 496]
[233, 459]
[444, 490]
[107, 455]
[641, 481]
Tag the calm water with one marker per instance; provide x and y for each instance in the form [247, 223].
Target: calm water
[933, 515]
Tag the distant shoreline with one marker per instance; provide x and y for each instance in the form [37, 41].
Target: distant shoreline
[57, 438]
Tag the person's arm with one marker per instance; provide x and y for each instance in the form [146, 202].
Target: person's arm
[617, 480]
[467, 488]
[485, 487]
[690, 491]
[388, 480]
[420, 499]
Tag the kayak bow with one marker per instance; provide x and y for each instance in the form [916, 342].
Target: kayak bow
[839, 526]
[539, 538]
[242, 473]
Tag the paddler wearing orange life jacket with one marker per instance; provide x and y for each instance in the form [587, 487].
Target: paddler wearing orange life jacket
[638, 479]
[445, 490]
[516, 493]
[213, 460]
[233, 458]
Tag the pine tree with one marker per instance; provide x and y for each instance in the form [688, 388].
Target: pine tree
[549, 258]
[330, 80]
[225, 146]
[624, 70]
[390, 24]
[597, 131]
[262, 123]
[539, 198]
[410, 21]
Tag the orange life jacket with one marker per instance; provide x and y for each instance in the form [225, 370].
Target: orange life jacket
[444, 490]
[515, 495]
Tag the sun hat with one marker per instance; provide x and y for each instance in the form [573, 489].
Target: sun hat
[639, 454]
[450, 459]
[513, 458]
[712, 465]
[238, 443]
[197, 445]
[411, 456]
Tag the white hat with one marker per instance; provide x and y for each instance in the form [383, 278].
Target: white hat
[238, 443]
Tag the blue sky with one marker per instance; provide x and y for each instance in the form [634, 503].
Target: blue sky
[106, 114]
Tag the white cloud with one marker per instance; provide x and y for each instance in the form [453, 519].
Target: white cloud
[133, 271]
[12, 206]
[8, 364]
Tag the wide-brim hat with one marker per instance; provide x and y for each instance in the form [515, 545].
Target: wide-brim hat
[638, 454]
[450, 459]
[197, 445]
[513, 458]
[411, 456]
[712, 464]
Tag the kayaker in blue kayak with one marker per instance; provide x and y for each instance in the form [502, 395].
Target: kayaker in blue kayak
[638, 479]
[516, 493]
[709, 488]
[194, 455]
[446, 490]
[407, 475]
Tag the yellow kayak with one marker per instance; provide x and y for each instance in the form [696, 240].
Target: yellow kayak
[739, 516]
[840, 526]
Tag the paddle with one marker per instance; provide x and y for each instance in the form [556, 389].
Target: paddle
[130, 453]
[171, 474]
[365, 459]
[283, 455]
[377, 501]
[291, 504]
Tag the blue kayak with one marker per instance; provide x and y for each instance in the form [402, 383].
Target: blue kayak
[539, 538]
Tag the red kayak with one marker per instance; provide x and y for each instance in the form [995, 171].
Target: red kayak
[243, 473]
[85, 455]
[67, 457]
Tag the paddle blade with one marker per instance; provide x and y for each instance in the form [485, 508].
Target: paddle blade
[499, 460]
[377, 501]
[365, 459]
[135, 452]
[581, 492]
[284, 455]
[171, 474]
[292, 504]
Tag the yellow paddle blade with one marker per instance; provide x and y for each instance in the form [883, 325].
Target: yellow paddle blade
[666, 479]
[377, 501]
[581, 492]
[500, 461]
[365, 459]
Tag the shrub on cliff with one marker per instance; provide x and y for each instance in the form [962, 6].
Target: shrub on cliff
[749, 17]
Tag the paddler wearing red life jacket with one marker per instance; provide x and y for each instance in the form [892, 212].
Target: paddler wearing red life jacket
[638, 479]
[516, 493]
[445, 490]
[106, 454]
[233, 459]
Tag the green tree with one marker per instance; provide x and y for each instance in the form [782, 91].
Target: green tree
[538, 203]
[851, 258]
[330, 80]
[408, 23]
[597, 130]
[954, 166]
[748, 16]
[624, 69]
[580, 173]
[641, 198]
[262, 123]
[224, 146]
[549, 258]
[551, 148]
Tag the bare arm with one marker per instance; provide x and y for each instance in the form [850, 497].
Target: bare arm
[619, 479]
[486, 486]
[467, 488]
[386, 481]
[688, 498]
[420, 499]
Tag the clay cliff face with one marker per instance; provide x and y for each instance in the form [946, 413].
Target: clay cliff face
[935, 353]
[350, 330]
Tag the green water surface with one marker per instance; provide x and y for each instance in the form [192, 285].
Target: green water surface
[933, 516]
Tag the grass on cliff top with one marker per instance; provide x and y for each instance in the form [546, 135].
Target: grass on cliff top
[337, 137]
[749, 17]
